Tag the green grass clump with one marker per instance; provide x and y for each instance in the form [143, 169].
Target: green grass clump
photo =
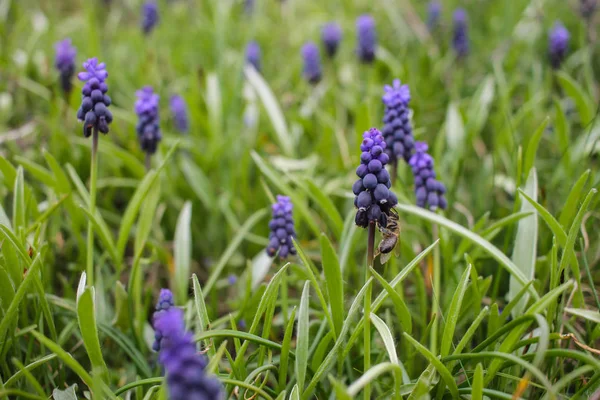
[495, 297]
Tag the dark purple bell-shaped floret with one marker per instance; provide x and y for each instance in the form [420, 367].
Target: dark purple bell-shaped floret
[428, 191]
[282, 229]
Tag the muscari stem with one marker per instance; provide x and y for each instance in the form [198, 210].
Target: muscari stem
[148, 161]
[394, 171]
[436, 288]
[367, 307]
[92, 208]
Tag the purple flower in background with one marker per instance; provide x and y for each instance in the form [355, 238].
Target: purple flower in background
[587, 8]
[148, 129]
[184, 366]
[397, 130]
[312, 62]
[373, 197]
[331, 36]
[253, 55]
[460, 37]
[282, 229]
[429, 191]
[558, 44]
[367, 38]
[94, 103]
[180, 113]
[149, 16]
[65, 63]
[249, 6]
[164, 303]
[232, 279]
[434, 11]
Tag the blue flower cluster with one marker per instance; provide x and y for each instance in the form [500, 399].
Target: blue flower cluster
[312, 63]
[460, 37]
[180, 113]
[94, 104]
[373, 197]
[184, 366]
[253, 55]
[65, 63]
[149, 16]
[164, 303]
[434, 12]
[148, 129]
[331, 35]
[429, 191]
[397, 130]
[558, 44]
[367, 38]
[282, 228]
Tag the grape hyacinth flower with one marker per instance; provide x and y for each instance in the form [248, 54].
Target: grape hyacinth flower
[253, 55]
[94, 104]
[434, 11]
[367, 38]
[65, 63]
[282, 229]
[149, 16]
[312, 63]
[164, 303]
[558, 44]
[373, 197]
[460, 37]
[185, 368]
[331, 35]
[397, 130]
[148, 130]
[429, 191]
[249, 6]
[180, 113]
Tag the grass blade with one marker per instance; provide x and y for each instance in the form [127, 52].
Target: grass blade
[302, 337]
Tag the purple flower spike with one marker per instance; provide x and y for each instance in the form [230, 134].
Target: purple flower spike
[367, 38]
[312, 63]
[434, 12]
[148, 129]
[374, 199]
[558, 44]
[460, 37]
[180, 113]
[397, 130]
[253, 55]
[65, 63]
[331, 36]
[164, 303]
[94, 103]
[429, 191]
[249, 6]
[184, 366]
[282, 229]
[149, 16]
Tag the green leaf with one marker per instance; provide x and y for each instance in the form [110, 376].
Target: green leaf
[286, 141]
[302, 337]
[583, 102]
[67, 394]
[454, 312]
[441, 369]
[86, 316]
[388, 343]
[8, 171]
[504, 261]
[7, 290]
[402, 310]
[590, 315]
[203, 321]
[532, 147]
[198, 182]
[233, 245]
[147, 215]
[477, 386]
[525, 248]
[570, 208]
[11, 311]
[103, 232]
[561, 127]
[285, 350]
[335, 283]
[295, 393]
[60, 178]
[455, 128]
[183, 253]
[326, 204]
[19, 205]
